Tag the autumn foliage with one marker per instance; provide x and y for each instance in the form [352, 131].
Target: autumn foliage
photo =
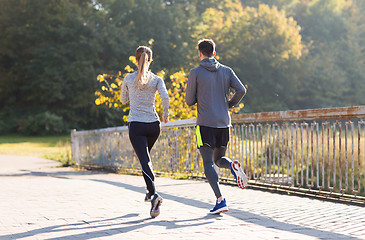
[109, 94]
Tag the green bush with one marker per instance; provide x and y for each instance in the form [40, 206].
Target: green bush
[45, 123]
[7, 123]
[3, 127]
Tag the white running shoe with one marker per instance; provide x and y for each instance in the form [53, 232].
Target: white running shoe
[239, 174]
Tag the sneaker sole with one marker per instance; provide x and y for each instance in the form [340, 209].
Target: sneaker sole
[219, 211]
[241, 176]
[155, 210]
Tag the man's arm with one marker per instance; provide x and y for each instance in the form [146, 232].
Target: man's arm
[240, 90]
[161, 88]
[190, 92]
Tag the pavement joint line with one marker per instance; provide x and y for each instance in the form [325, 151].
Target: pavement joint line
[85, 205]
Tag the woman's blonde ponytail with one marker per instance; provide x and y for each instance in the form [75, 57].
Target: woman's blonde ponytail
[144, 58]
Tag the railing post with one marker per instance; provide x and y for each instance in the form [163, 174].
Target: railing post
[75, 147]
[305, 147]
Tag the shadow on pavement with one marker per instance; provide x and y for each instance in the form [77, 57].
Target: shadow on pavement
[124, 224]
[244, 215]
[115, 227]
[61, 174]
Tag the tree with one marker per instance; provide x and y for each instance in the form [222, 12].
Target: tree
[334, 64]
[291, 54]
[50, 52]
[264, 47]
[330, 72]
[165, 26]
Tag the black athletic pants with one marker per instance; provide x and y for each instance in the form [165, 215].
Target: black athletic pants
[143, 136]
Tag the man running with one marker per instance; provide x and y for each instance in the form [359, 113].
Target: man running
[208, 86]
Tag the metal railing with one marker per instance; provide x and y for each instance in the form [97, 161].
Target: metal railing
[316, 151]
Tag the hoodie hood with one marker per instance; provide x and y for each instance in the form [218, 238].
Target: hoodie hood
[211, 64]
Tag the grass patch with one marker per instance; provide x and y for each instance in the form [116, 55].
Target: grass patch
[180, 176]
[51, 147]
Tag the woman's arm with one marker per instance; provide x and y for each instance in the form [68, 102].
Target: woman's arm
[124, 94]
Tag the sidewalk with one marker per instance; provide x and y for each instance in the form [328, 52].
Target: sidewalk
[41, 201]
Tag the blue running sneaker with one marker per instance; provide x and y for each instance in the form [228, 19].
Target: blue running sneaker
[155, 205]
[239, 174]
[219, 207]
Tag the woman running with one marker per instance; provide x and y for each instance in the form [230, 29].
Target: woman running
[139, 88]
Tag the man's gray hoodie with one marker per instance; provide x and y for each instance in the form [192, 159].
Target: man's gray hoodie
[208, 86]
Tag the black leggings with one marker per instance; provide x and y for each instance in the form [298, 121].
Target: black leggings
[143, 136]
[218, 156]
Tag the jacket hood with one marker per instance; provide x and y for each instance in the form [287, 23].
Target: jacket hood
[211, 64]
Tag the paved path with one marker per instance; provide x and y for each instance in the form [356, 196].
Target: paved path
[41, 201]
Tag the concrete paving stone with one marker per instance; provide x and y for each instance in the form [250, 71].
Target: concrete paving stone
[360, 234]
[45, 202]
[352, 229]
